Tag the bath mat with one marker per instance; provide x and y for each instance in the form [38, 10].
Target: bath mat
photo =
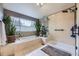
[51, 51]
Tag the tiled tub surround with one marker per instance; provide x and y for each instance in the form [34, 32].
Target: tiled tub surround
[22, 46]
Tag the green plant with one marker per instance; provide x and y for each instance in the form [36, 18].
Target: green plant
[38, 27]
[43, 31]
[9, 27]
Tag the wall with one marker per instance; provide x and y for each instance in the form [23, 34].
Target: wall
[78, 14]
[2, 28]
[1, 12]
[2, 31]
[44, 21]
[2, 34]
[61, 21]
[78, 25]
[0, 20]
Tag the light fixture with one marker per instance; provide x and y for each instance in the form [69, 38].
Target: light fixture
[40, 4]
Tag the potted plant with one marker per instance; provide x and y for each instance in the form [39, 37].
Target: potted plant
[10, 29]
[38, 27]
[43, 31]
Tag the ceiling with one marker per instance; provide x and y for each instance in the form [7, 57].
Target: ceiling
[33, 10]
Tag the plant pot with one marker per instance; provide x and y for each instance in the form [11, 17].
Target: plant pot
[37, 33]
[11, 39]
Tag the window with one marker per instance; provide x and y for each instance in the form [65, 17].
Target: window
[23, 24]
[15, 21]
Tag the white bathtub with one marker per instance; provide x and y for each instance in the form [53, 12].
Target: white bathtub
[25, 39]
[29, 38]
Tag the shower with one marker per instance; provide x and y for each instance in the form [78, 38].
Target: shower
[74, 29]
